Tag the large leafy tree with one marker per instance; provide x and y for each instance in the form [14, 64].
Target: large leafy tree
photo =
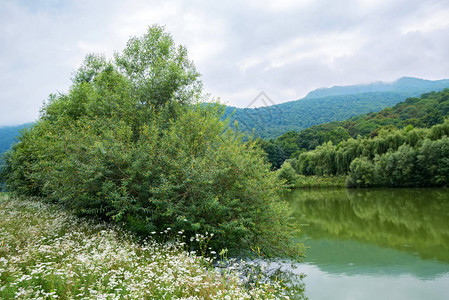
[131, 143]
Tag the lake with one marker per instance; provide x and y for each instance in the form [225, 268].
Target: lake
[374, 243]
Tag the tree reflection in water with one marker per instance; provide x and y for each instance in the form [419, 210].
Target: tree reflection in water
[412, 220]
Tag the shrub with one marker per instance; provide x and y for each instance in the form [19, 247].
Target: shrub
[287, 173]
[130, 144]
[361, 173]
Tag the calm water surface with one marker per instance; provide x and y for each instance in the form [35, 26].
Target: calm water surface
[374, 243]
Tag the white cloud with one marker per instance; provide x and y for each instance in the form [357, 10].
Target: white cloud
[279, 5]
[285, 48]
[434, 21]
[326, 48]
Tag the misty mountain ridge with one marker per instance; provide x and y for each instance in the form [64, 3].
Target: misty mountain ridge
[401, 85]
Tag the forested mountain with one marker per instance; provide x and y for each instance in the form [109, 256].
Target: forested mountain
[328, 105]
[403, 85]
[8, 135]
[426, 111]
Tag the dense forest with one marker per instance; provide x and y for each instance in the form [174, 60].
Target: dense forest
[328, 105]
[132, 143]
[394, 157]
[430, 109]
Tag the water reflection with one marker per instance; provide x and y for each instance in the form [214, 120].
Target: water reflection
[366, 243]
[411, 220]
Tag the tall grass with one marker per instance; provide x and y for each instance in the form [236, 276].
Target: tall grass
[46, 253]
[303, 181]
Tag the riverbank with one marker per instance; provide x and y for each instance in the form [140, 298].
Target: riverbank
[49, 253]
[302, 181]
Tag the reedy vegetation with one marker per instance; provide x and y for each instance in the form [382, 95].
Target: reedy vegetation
[47, 253]
[131, 143]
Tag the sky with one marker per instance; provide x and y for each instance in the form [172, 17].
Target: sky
[283, 48]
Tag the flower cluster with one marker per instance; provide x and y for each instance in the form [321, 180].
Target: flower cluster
[49, 254]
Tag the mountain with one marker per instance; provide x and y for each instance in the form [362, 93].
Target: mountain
[424, 112]
[8, 135]
[403, 85]
[328, 105]
[320, 106]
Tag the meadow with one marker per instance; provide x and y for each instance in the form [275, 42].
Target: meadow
[48, 253]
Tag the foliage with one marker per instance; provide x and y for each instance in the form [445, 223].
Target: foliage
[407, 157]
[129, 144]
[422, 112]
[361, 173]
[275, 154]
[47, 253]
[287, 173]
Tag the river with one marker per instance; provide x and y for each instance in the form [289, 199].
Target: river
[374, 243]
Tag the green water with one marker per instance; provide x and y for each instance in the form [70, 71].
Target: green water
[374, 243]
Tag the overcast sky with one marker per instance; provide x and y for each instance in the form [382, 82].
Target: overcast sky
[284, 48]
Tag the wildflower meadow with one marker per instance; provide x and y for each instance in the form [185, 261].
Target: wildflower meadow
[47, 253]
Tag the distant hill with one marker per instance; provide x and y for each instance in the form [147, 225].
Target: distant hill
[403, 85]
[8, 135]
[423, 112]
[328, 105]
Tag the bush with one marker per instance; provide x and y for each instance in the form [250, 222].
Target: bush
[397, 168]
[129, 144]
[287, 173]
[361, 173]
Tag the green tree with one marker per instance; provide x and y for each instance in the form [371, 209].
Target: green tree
[287, 173]
[397, 168]
[131, 144]
[361, 173]
[433, 161]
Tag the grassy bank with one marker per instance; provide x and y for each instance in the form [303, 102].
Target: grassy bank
[302, 181]
[46, 253]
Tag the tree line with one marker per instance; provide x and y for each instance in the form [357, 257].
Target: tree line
[395, 157]
[423, 112]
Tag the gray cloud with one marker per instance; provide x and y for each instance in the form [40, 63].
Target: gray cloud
[285, 48]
